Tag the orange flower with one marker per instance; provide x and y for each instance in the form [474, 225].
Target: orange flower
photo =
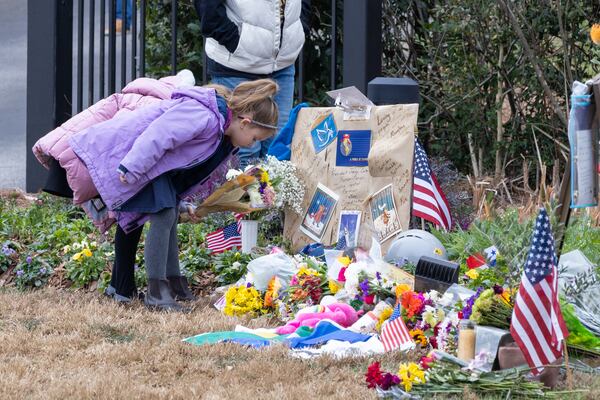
[411, 303]
[595, 33]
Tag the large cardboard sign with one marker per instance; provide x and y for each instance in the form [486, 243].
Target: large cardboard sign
[389, 162]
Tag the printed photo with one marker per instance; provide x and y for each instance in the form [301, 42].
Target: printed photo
[319, 213]
[384, 214]
[348, 228]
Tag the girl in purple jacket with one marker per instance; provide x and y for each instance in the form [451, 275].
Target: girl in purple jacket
[145, 162]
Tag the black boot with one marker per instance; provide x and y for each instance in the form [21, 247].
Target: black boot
[179, 286]
[159, 296]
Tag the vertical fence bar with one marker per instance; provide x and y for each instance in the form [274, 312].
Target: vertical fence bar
[112, 48]
[333, 44]
[173, 37]
[133, 39]
[124, 43]
[204, 63]
[80, 12]
[91, 54]
[101, 49]
[143, 38]
[300, 82]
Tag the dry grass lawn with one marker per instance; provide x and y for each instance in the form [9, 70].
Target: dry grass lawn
[57, 344]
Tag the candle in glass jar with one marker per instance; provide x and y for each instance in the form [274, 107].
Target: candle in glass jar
[466, 340]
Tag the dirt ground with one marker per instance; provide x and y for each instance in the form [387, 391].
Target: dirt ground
[58, 344]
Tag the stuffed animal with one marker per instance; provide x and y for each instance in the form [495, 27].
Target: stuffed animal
[340, 313]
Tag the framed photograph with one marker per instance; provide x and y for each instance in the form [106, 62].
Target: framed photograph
[348, 228]
[319, 213]
[384, 214]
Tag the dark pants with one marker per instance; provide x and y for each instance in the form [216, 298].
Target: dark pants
[123, 273]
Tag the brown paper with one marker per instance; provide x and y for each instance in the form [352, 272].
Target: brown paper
[394, 125]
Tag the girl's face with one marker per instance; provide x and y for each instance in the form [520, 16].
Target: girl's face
[244, 133]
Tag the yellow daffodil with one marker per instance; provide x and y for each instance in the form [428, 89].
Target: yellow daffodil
[595, 33]
[411, 374]
[345, 261]
[333, 287]
[472, 273]
[76, 257]
[87, 252]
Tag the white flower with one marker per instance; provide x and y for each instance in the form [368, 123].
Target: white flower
[232, 173]
[255, 199]
[447, 300]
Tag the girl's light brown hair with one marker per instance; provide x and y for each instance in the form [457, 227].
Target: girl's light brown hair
[252, 98]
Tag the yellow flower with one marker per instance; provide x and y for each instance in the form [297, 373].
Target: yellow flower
[437, 251]
[595, 33]
[76, 257]
[264, 177]
[400, 289]
[472, 273]
[411, 374]
[307, 271]
[345, 261]
[333, 287]
[385, 315]
[418, 337]
[86, 252]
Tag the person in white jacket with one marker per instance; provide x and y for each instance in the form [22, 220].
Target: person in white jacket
[247, 40]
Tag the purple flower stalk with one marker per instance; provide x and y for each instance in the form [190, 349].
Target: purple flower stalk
[468, 309]
[364, 286]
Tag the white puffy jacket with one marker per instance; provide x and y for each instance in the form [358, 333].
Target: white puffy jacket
[265, 46]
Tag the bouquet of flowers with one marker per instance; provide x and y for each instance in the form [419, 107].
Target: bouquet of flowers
[309, 284]
[275, 185]
[493, 307]
[241, 300]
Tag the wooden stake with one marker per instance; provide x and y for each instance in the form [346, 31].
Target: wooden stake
[569, 372]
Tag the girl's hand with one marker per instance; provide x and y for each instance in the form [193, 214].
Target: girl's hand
[192, 213]
[122, 178]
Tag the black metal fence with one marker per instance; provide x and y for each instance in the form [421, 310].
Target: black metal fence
[88, 59]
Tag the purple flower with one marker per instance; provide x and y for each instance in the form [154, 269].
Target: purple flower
[388, 380]
[28, 259]
[468, 309]
[498, 289]
[378, 276]
[42, 270]
[136, 267]
[364, 286]
[248, 285]
[20, 272]
[7, 251]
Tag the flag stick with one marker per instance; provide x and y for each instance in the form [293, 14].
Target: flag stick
[569, 372]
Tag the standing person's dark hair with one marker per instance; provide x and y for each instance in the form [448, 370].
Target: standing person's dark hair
[249, 40]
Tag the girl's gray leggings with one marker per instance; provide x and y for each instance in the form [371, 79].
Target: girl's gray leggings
[161, 252]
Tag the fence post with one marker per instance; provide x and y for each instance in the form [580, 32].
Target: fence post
[49, 75]
[362, 42]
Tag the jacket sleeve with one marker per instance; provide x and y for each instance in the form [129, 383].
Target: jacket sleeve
[175, 127]
[214, 23]
[305, 17]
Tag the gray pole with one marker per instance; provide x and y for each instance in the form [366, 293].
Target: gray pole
[362, 42]
[49, 75]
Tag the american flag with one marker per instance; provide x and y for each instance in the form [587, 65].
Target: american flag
[224, 239]
[537, 324]
[394, 333]
[429, 201]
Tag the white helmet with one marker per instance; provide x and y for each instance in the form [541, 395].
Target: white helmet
[412, 245]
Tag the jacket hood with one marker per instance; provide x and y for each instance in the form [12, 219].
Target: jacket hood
[205, 96]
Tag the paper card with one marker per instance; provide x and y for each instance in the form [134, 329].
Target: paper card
[348, 227]
[324, 133]
[319, 213]
[353, 148]
[355, 104]
[384, 214]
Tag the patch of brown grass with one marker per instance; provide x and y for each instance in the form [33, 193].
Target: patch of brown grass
[56, 344]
